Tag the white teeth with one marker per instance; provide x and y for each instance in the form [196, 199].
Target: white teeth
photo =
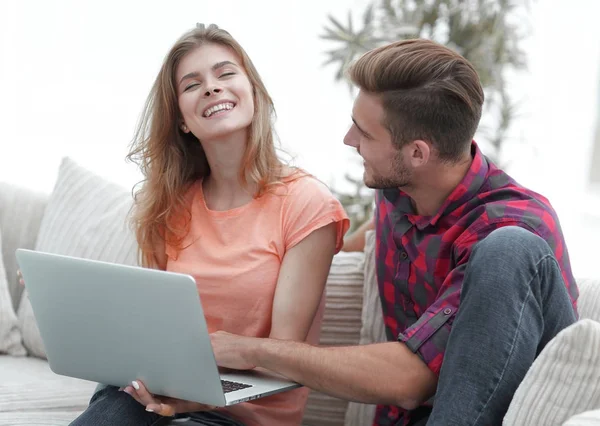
[210, 111]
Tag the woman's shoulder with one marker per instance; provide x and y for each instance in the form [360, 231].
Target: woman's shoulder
[298, 180]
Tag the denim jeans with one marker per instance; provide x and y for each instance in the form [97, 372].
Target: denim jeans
[513, 301]
[111, 407]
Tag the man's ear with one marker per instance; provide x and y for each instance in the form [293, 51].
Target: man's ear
[419, 153]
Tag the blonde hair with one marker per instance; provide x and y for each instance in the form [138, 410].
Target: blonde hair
[428, 92]
[171, 160]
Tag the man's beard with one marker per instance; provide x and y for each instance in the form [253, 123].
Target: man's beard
[398, 176]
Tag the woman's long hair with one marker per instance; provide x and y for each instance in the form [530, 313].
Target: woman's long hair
[171, 160]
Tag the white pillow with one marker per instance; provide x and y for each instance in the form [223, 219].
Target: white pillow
[21, 214]
[563, 381]
[86, 216]
[588, 418]
[588, 303]
[10, 336]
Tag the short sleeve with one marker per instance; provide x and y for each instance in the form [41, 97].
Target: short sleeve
[308, 206]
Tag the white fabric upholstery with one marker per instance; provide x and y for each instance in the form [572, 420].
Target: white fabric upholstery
[31, 394]
[563, 381]
[21, 212]
[588, 303]
[10, 335]
[341, 326]
[86, 216]
[372, 328]
[588, 418]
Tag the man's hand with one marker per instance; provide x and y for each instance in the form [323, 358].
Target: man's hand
[233, 351]
[162, 405]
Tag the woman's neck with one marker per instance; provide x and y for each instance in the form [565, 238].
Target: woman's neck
[223, 189]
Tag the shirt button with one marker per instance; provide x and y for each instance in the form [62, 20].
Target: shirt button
[403, 255]
[447, 311]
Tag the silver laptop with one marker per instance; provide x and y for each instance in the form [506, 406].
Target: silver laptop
[112, 324]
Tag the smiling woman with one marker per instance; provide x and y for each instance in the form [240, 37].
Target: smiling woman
[217, 203]
[215, 99]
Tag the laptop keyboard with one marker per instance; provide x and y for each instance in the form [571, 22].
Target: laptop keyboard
[233, 386]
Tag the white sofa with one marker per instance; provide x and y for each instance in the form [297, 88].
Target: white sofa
[84, 216]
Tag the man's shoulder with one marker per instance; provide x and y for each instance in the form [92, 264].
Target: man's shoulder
[504, 198]
[513, 206]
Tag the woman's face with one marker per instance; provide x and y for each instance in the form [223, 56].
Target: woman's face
[214, 93]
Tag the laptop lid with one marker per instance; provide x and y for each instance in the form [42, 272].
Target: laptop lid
[112, 323]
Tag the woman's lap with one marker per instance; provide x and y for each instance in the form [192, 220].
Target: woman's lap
[110, 407]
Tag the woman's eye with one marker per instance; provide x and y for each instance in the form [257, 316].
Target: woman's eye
[227, 74]
[191, 86]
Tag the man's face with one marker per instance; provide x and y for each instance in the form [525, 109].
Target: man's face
[384, 163]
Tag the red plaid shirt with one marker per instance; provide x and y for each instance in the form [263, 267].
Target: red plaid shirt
[421, 260]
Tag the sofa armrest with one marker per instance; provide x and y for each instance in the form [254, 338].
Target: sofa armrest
[21, 212]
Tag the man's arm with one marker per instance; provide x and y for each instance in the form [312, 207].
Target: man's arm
[356, 240]
[384, 373]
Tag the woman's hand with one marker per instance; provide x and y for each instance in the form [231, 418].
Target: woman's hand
[162, 405]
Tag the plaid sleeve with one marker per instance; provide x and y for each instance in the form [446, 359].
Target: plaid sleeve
[428, 336]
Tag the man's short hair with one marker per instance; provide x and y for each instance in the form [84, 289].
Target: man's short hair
[428, 91]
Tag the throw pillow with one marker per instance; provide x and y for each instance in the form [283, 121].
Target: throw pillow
[563, 381]
[10, 336]
[86, 216]
[588, 418]
[340, 327]
[372, 330]
[588, 303]
[20, 218]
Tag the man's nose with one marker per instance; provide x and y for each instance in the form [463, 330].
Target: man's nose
[349, 140]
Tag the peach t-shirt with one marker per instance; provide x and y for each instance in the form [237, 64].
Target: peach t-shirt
[235, 257]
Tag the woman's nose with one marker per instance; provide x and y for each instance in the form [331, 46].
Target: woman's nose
[212, 91]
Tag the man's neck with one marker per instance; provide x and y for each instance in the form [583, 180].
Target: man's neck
[435, 186]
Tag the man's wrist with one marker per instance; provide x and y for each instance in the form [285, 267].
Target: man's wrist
[256, 350]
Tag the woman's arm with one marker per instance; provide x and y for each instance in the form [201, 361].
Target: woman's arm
[300, 285]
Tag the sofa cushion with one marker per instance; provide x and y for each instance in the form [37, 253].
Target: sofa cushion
[38, 418]
[20, 218]
[563, 381]
[10, 335]
[341, 326]
[86, 216]
[29, 386]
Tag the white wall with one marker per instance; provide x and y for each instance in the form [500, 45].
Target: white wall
[74, 76]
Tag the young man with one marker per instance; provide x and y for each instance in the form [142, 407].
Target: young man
[473, 271]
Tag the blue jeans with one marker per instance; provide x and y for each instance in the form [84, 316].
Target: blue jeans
[111, 407]
[513, 301]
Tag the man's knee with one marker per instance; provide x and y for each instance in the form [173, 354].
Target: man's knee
[509, 243]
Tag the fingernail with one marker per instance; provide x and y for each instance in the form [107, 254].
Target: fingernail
[135, 385]
[150, 410]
